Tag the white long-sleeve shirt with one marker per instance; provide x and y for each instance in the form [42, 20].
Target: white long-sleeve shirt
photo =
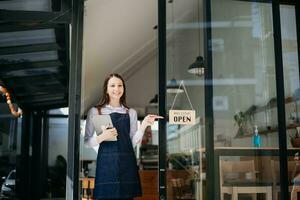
[135, 134]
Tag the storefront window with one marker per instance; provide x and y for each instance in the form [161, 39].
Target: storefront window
[244, 98]
[185, 91]
[57, 152]
[292, 93]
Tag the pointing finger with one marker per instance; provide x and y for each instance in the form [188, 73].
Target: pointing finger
[156, 116]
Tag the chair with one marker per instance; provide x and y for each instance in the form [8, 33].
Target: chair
[87, 186]
[180, 190]
[92, 187]
[239, 182]
[292, 171]
[294, 192]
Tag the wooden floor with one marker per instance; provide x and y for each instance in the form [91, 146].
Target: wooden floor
[149, 181]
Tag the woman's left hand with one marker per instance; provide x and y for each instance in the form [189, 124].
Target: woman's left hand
[149, 120]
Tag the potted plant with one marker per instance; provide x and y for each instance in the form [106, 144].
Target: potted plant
[295, 138]
[240, 120]
[179, 161]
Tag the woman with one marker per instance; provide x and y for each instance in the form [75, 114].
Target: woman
[116, 172]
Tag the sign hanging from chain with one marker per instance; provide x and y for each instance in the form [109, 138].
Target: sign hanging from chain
[183, 117]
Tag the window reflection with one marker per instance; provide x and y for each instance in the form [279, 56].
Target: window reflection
[9, 149]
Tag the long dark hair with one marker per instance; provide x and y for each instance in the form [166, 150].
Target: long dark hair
[105, 97]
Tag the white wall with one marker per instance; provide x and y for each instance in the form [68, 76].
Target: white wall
[143, 84]
[58, 139]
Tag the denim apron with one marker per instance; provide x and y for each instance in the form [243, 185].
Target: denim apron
[117, 172]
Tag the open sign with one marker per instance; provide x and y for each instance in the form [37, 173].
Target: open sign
[185, 117]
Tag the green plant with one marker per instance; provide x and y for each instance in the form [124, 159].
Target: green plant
[295, 138]
[296, 134]
[179, 161]
[240, 119]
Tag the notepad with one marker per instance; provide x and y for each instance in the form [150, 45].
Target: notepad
[100, 121]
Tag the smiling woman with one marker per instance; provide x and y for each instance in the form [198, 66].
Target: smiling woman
[118, 38]
[117, 174]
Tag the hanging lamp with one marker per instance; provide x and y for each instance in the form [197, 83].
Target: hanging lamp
[198, 67]
[154, 100]
[173, 86]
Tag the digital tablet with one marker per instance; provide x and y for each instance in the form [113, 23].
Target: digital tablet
[100, 121]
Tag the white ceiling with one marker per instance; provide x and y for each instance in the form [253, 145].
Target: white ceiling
[119, 37]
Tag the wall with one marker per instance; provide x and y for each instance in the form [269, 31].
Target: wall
[58, 139]
[143, 84]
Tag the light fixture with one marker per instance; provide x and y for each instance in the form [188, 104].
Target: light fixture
[154, 101]
[173, 87]
[198, 67]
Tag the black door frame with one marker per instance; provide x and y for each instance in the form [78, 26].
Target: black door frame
[162, 148]
[75, 73]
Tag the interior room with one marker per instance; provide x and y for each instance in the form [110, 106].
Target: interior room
[233, 65]
[125, 44]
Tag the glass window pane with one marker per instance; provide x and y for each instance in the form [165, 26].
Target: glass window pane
[29, 57]
[57, 156]
[290, 65]
[290, 57]
[19, 38]
[29, 5]
[244, 97]
[186, 170]
[10, 136]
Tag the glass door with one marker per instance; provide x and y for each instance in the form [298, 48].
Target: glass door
[243, 72]
[185, 93]
[221, 64]
[290, 57]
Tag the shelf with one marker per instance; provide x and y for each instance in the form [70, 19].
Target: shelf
[149, 161]
[272, 130]
[271, 104]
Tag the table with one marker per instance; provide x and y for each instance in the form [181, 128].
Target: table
[244, 151]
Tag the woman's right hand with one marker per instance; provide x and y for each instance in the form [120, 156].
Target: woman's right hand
[149, 121]
[107, 134]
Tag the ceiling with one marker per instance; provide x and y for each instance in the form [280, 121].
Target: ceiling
[34, 52]
[119, 37]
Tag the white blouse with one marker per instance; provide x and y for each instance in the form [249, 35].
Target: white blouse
[135, 134]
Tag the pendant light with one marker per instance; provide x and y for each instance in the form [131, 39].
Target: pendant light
[198, 67]
[154, 101]
[173, 86]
